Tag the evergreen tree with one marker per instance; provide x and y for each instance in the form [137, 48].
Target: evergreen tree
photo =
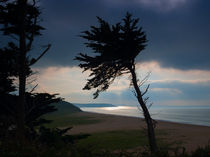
[19, 21]
[115, 48]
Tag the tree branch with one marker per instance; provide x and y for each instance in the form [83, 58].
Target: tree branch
[33, 61]
[144, 79]
[33, 88]
[134, 93]
[145, 90]
[150, 105]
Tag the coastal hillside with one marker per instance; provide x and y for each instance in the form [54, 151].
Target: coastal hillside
[65, 107]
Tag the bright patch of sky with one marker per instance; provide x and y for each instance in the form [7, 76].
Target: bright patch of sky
[167, 85]
[160, 5]
[177, 54]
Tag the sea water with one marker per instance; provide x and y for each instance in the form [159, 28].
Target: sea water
[197, 115]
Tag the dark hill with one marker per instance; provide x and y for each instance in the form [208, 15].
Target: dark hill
[66, 107]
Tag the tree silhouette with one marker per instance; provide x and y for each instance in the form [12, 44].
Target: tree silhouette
[116, 47]
[19, 20]
[37, 104]
[7, 69]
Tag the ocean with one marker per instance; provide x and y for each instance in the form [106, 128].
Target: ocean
[197, 115]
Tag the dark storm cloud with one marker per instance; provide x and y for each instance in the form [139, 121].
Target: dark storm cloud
[178, 38]
[181, 39]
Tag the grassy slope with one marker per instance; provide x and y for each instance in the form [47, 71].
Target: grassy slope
[114, 140]
[65, 108]
[111, 140]
[120, 140]
[65, 116]
[69, 120]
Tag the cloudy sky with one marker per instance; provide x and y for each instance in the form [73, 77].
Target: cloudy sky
[177, 55]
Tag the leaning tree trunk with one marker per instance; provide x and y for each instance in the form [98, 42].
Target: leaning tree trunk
[22, 72]
[150, 126]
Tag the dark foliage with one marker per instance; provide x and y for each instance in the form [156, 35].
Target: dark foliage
[10, 11]
[47, 142]
[9, 68]
[37, 105]
[61, 149]
[19, 21]
[53, 137]
[115, 47]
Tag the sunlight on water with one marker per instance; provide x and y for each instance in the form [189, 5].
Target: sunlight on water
[187, 115]
[117, 108]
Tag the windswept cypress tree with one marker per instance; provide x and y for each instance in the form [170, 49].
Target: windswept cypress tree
[115, 48]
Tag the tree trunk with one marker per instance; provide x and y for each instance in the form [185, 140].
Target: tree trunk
[150, 126]
[22, 72]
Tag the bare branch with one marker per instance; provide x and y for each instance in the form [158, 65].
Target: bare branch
[33, 61]
[146, 90]
[144, 79]
[146, 99]
[30, 80]
[134, 93]
[150, 105]
[33, 88]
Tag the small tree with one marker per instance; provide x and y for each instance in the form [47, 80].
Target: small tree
[116, 48]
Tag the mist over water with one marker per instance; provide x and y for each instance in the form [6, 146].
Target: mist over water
[198, 115]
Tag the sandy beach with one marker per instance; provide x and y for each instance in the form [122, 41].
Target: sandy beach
[190, 136]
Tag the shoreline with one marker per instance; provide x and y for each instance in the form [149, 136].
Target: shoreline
[187, 135]
[159, 120]
[184, 116]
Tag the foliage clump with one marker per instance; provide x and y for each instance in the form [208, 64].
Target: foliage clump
[115, 47]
